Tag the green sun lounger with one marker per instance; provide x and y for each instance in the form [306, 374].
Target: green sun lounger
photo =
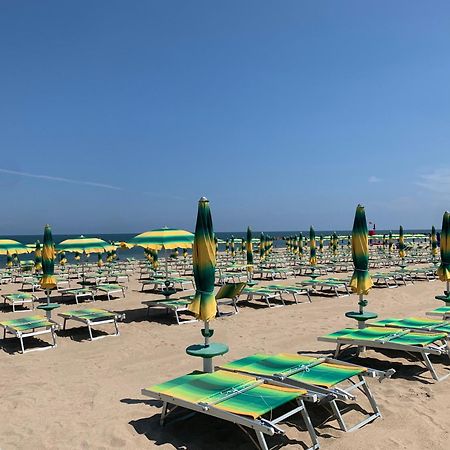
[293, 290]
[332, 285]
[19, 298]
[328, 376]
[92, 317]
[388, 338]
[244, 400]
[78, 293]
[415, 323]
[28, 327]
[442, 311]
[110, 289]
[386, 279]
[175, 306]
[265, 294]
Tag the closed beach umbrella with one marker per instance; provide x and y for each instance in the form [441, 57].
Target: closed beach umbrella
[361, 281]
[249, 252]
[185, 253]
[227, 247]
[232, 248]
[62, 258]
[401, 243]
[312, 247]
[9, 262]
[295, 245]
[444, 269]
[300, 245]
[99, 260]
[390, 242]
[48, 280]
[434, 249]
[334, 245]
[321, 244]
[204, 264]
[38, 257]
[261, 247]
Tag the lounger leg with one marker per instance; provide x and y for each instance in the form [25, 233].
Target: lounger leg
[64, 325]
[163, 414]
[338, 350]
[261, 440]
[309, 426]
[53, 337]
[116, 326]
[90, 331]
[21, 343]
[338, 415]
[369, 396]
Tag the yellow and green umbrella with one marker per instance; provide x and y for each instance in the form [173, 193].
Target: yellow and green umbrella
[401, 243]
[13, 247]
[9, 262]
[232, 248]
[321, 244]
[204, 304]
[62, 258]
[334, 243]
[84, 244]
[38, 257]
[434, 249]
[312, 247]
[361, 281]
[249, 252]
[99, 260]
[48, 280]
[262, 247]
[390, 242]
[444, 269]
[300, 245]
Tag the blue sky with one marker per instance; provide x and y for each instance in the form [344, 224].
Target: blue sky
[117, 116]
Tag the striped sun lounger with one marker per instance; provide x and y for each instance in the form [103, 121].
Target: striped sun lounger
[328, 375]
[388, 338]
[241, 399]
[175, 306]
[110, 289]
[78, 293]
[92, 317]
[19, 298]
[28, 327]
[442, 311]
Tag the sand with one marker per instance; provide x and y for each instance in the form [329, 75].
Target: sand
[86, 395]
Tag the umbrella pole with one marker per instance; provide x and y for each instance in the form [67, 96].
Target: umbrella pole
[47, 293]
[207, 362]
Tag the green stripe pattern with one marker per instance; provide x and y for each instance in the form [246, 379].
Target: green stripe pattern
[13, 247]
[204, 264]
[38, 257]
[48, 280]
[419, 323]
[401, 243]
[312, 247]
[90, 314]
[85, 245]
[27, 323]
[444, 268]
[361, 281]
[306, 369]
[167, 238]
[434, 246]
[386, 334]
[249, 250]
[221, 388]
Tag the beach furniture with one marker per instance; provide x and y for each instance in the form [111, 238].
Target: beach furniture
[29, 327]
[175, 282]
[442, 311]
[229, 294]
[335, 379]
[92, 317]
[30, 283]
[290, 289]
[110, 289]
[244, 400]
[418, 343]
[19, 298]
[386, 279]
[175, 306]
[265, 294]
[338, 287]
[78, 293]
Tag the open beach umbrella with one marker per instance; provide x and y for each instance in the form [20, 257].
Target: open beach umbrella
[38, 257]
[312, 247]
[204, 304]
[361, 281]
[444, 268]
[13, 247]
[48, 280]
[85, 245]
[249, 252]
[434, 249]
[401, 243]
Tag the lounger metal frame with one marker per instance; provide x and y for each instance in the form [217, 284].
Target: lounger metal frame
[91, 323]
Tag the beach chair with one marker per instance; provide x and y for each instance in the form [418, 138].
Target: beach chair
[29, 327]
[92, 317]
[265, 294]
[30, 283]
[386, 279]
[78, 293]
[288, 289]
[229, 294]
[110, 289]
[19, 298]
[241, 399]
[335, 379]
[338, 287]
[442, 311]
[417, 343]
[175, 306]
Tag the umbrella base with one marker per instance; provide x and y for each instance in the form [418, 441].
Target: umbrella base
[207, 353]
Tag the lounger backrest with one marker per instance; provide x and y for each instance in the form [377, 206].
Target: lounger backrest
[230, 290]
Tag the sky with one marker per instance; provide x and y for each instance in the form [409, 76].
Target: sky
[117, 116]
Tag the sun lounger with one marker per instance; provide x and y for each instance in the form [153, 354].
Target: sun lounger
[78, 293]
[30, 283]
[28, 327]
[386, 279]
[264, 294]
[293, 290]
[92, 317]
[229, 294]
[413, 342]
[175, 282]
[442, 311]
[336, 379]
[175, 306]
[244, 400]
[19, 298]
[332, 285]
[110, 289]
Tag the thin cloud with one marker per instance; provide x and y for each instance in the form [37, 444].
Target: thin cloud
[436, 181]
[374, 179]
[61, 179]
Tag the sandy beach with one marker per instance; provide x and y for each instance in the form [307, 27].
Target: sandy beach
[86, 395]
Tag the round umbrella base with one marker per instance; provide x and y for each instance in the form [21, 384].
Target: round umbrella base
[207, 353]
[361, 317]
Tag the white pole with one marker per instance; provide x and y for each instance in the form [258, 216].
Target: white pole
[206, 333]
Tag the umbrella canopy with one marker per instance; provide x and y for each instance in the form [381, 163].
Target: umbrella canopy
[85, 245]
[38, 257]
[444, 269]
[401, 243]
[166, 238]
[249, 251]
[204, 263]
[48, 280]
[434, 250]
[312, 247]
[13, 247]
[361, 281]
